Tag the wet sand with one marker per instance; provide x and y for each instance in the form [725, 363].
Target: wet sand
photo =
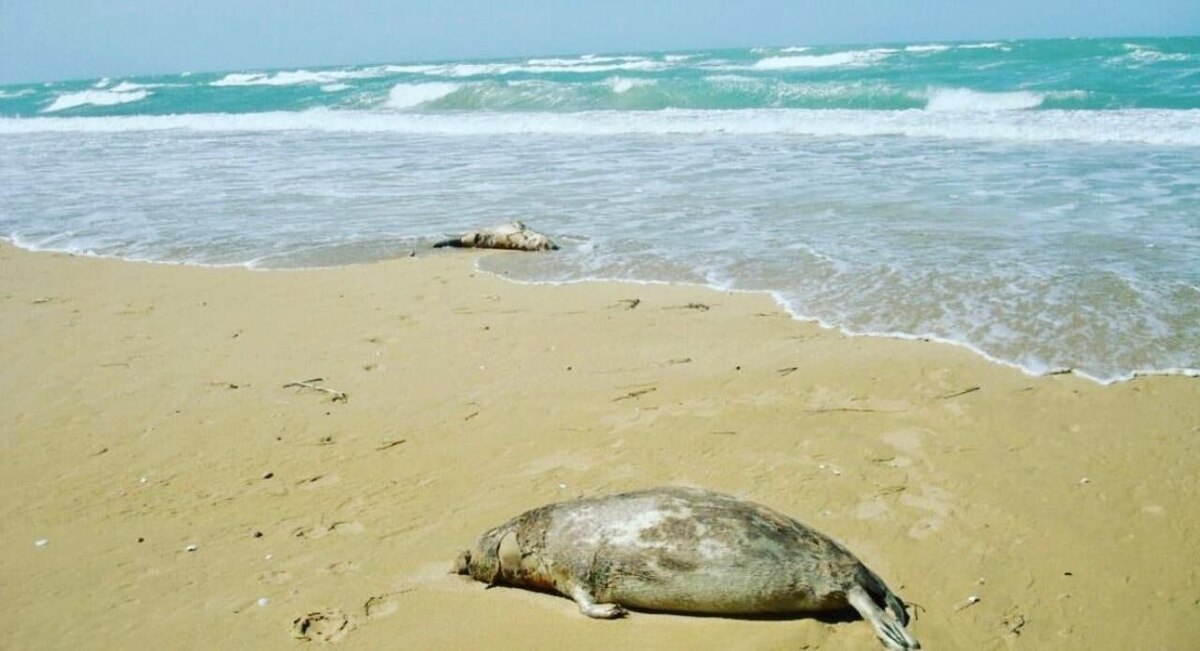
[147, 409]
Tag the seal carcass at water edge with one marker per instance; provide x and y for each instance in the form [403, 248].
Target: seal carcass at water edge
[513, 235]
[683, 550]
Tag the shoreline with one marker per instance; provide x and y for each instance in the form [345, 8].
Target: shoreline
[154, 408]
[774, 295]
[845, 332]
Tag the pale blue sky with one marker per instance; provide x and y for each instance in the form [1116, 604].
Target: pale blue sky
[69, 39]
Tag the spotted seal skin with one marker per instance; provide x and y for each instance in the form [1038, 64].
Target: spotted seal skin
[513, 235]
[683, 550]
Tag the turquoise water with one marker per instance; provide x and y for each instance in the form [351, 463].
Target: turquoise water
[1091, 74]
[1038, 201]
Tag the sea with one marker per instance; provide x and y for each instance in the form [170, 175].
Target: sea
[1037, 201]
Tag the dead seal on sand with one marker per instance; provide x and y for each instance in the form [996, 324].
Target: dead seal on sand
[683, 550]
[513, 235]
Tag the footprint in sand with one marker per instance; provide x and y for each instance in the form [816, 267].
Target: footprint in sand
[871, 508]
[383, 605]
[321, 626]
[906, 440]
[347, 528]
[937, 502]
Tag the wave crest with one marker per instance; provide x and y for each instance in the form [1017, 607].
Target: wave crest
[965, 99]
[95, 98]
[297, 77]
[403, 96]
[836, 59]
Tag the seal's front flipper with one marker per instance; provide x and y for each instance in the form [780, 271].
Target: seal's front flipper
[889, 631]
[462, 564]
[589, 607]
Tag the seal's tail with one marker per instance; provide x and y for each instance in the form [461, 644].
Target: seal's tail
[867, 597]
[454, 241]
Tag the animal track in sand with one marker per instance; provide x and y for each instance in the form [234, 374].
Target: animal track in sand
[308, 532]
[322, 626]
[856, 404]
[277, 577]
[342, 528]
[342, 567]
[318, 481]
[557, 461]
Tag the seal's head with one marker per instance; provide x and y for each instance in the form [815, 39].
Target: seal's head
[482, 562]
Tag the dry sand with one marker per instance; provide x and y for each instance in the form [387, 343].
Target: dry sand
[145, 410]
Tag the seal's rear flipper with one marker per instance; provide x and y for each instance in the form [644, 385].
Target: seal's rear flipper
[589, 607]
[888, 629]
[454, 242]
[881, 594]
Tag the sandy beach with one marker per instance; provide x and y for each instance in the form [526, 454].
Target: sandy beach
[151, 409]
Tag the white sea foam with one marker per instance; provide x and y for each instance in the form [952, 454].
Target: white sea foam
[1144, 54]
[94, 98]
[983, 46]
[837, 59]
[792, 49]
[409, 95]
[13, 94]
[104, 81]
[585, 64]
[333, 88]
[241, 79]
[559, 62]
[621, 85]
[927, 48]
[586, 60]
[964, 99]
[129, 86]
[417, 69]
[298, 77]
[502, 69]
[1150, 126]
